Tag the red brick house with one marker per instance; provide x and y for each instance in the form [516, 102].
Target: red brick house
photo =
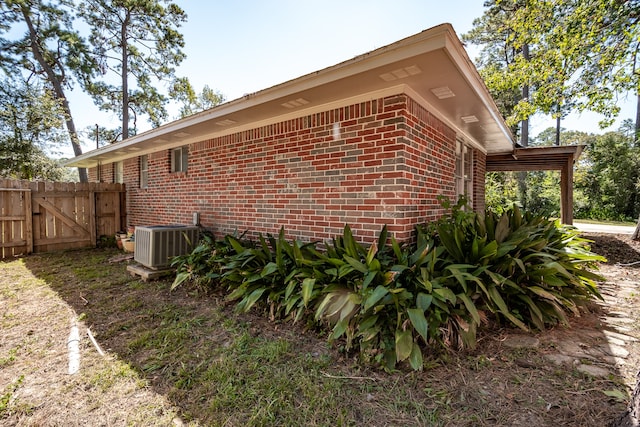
[370, 141]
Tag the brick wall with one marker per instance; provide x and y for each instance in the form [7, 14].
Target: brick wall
[379, 162]
[106, 173]
[479, 172]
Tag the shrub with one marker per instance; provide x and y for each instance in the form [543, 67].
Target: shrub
[531, 270]
[390, 301]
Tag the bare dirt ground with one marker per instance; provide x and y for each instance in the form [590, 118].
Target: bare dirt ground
[161, 347]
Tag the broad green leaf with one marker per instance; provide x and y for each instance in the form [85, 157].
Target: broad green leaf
[471, 307]
[290, 288]
[416, 361]
[423, 301]
[269, 269]
[347, 309]
[320, 311]
[339, 329]
[536, 315]
[382, 238]
[368, 322]
[517, 217]
[503, 249]
[307, 290]
[356, 264]
[368, 279]
[369, 333]
[237, 293]
[291, 303]
[373, 250]
[404, 344]
[297, 254]
[237, 247]
[419, 322]
[338, 302]
[445, 294]
[396, 248]
[474, 250]
[265, 248]
[559, 268]
[448, 239]
[496, 299]
[180, 278]
[543, 293]
[350, 244]
[378, 293]
[520, 264]
[502, 229]
[561, 315]
[252, 298]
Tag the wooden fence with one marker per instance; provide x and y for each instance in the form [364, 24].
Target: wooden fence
[51, 216]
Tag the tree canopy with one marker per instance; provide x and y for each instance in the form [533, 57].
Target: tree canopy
[581, 55]
[137, 45]
[131, 48]
[48, 48]
[28, 131]
[183, 92]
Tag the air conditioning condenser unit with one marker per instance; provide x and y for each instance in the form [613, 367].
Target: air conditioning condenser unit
[157, 244]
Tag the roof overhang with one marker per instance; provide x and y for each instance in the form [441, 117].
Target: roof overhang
[534, 158]
[432, 67]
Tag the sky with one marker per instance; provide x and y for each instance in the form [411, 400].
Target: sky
[243, 46]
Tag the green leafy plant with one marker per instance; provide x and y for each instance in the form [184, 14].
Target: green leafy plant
[281, 273]
[202, 265]
[389, 301]
[531, 270]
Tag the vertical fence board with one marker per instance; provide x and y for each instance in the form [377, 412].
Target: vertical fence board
[90, 207]
[28, 222]
[16, 210]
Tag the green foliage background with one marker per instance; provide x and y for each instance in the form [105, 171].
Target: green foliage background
[606, 179]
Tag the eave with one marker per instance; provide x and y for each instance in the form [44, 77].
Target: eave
[431, 60]
[534, 158]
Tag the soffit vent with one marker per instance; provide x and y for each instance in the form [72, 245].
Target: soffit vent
[294, 103]
[443, 92]
[401, 73]
[469, 119]
[226, 122]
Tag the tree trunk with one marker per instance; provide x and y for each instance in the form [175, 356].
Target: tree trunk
[558, 119]
[630, 417]
[125, 82]
[524, 133]
[637, 133]
[636, 233]
[57, 88]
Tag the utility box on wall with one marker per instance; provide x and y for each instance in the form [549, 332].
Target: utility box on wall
[157, 244]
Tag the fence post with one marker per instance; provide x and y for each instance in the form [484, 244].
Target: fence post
[28, 220]
[92, 218]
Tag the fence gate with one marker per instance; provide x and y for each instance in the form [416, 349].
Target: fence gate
[50, 216]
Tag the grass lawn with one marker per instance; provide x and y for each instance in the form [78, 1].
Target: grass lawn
[183, 358]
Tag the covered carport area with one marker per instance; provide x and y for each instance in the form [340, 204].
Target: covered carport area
[559, 158]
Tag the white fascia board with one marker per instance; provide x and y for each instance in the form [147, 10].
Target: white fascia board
[468, 70]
